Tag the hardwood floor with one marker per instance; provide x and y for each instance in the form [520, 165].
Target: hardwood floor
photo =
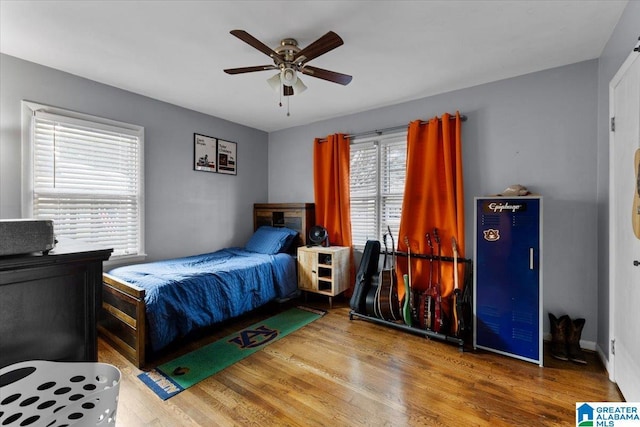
[338, 372]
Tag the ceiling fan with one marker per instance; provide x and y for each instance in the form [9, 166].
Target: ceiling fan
[290, 59]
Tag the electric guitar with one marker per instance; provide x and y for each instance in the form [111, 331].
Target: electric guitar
[429, 301]
[635, 212]
[457, 327]
[407, 308]
[437, 292]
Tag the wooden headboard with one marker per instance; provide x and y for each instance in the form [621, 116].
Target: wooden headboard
[296, 216]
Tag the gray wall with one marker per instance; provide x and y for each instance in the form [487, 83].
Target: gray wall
[538, 130]
[621, 43]
[187, 212]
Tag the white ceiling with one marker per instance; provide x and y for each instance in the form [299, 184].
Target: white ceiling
[396, 51]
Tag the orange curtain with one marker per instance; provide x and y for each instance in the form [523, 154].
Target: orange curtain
[433, 198]
[331, 188]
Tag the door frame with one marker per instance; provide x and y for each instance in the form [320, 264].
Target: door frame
[613, 252]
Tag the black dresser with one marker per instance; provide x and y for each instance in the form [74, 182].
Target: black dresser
[49, 304]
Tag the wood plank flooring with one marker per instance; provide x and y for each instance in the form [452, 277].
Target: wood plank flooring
[341, 372]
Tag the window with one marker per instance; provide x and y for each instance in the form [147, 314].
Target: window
[85, 174]
[378, 167]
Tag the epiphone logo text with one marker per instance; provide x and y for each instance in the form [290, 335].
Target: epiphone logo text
[505, 206]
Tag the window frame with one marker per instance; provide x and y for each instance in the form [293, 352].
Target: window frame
[28, 110]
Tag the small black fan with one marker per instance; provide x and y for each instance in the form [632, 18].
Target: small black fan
[318, 236]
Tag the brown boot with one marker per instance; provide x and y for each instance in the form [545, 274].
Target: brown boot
[559, 328]
[573, 341]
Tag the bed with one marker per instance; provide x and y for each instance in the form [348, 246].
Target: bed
[147, 306]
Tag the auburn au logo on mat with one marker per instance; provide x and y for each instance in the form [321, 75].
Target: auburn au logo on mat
[251, 338]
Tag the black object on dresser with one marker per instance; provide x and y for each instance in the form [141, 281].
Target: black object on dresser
[49, 304]
[23, 236]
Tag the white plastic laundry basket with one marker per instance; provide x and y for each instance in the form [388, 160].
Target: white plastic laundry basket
[42, 393]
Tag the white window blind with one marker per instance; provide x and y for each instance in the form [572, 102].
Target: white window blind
[87, 178]
[377, 172]
[364, 192]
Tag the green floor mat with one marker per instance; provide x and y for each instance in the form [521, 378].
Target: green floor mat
[172, 377]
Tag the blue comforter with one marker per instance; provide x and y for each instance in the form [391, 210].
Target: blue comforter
[184, 294]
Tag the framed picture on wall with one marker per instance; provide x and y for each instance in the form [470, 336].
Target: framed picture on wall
[204, 153]
[227, 157]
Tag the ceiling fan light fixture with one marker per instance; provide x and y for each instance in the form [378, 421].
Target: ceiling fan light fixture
[274, 82]
[288, 76]
[299, 87]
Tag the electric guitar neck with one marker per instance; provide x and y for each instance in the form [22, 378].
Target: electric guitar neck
[407, 308]
[437, 318]
[457, 327]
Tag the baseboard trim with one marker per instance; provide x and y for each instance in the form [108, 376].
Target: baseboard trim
[585, 345]
[591, 346]
[605, 362]
[588, 345]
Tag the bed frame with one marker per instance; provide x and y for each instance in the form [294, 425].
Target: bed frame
[123, 316]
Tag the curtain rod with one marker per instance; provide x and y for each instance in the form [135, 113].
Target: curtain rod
[390, 129]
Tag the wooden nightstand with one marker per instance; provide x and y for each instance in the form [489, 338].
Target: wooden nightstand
[323, 270]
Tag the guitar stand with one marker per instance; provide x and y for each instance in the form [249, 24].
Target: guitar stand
[427, 333]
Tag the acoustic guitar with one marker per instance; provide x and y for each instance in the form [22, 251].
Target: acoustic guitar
[376, 298]
[364, 277]
[371, 302]
[635, 212]
[387, 298]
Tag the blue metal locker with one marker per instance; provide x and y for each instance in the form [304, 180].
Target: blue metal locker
[508, 276]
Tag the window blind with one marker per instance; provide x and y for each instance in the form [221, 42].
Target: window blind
[377, 169]
[87, 179]
[392, 178]
[364, 192]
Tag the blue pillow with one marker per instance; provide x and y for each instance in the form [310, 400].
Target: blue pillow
[271, 240]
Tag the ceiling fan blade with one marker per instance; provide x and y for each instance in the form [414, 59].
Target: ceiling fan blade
[332, 76]
[257, 44]
[250, 69]
[319, 47]
[287, 90]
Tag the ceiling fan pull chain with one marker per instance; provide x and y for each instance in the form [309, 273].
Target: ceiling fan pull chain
[288, 114]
